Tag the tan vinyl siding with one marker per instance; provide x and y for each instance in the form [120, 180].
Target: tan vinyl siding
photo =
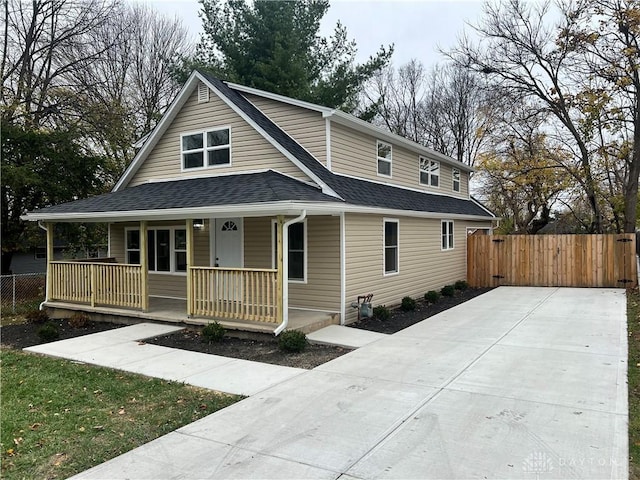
[423, 266]
[163, 284]
[249, 149]
[355, 153]
[322, 290]
[305, 126]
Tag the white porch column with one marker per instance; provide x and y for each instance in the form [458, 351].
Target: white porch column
[49, 285]
[144, 266]
[280, 268]
[190, 262]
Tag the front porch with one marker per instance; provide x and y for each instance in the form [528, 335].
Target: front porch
[174, 311]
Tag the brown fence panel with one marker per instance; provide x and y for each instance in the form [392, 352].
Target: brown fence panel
[552, 260]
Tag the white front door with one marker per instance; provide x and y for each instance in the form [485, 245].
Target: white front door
[228, 243]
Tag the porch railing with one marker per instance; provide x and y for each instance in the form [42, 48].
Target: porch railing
[239, 293]
[97, 283]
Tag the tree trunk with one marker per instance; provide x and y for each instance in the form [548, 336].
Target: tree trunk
[631, 192]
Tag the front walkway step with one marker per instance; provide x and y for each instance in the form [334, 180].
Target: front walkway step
[342, 336]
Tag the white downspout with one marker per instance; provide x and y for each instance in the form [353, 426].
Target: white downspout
[285, 272]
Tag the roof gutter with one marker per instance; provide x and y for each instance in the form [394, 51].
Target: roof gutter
[285, 272]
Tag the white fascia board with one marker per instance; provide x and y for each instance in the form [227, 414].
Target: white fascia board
[483, 207]
[325, 188]
[279, 98]
[248, 210]
[154, 136]
[365, 127]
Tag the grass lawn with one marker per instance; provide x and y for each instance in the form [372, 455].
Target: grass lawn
[633, 325]
[60, 418]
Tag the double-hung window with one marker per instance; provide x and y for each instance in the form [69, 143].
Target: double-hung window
[447, 234]
[391, 250]
[385, 154]
[297, 250]
[206, 149]
[456, 179]
[166, 249]
[429, 172]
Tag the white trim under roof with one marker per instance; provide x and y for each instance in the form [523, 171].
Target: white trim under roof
[266, 209]
[354, 122]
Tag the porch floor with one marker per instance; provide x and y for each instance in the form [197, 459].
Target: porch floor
[174, 311]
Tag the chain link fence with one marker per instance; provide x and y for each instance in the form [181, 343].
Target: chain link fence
[21, 292]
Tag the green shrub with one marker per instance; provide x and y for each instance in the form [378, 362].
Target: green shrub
[79, 320]
[381, 312]
[48, 332]
[432, 296]
[37, 316]
[448, 291]
[213, 333]
[461, 285]
[292, 341]
[408, 304]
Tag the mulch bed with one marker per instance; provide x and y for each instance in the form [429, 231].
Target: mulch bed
[400, 320]
[25, 335]
[256, 347]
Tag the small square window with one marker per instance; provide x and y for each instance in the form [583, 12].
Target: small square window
[429, 172]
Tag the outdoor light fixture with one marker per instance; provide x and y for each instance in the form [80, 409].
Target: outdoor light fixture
[198, 224]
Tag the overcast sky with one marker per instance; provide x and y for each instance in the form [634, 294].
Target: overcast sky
[416, 28]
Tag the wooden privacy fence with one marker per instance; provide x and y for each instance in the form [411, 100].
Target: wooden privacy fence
[110, 284]
[552, 260]
[239, 293]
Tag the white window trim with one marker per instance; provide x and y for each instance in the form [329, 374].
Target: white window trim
[306, 251]
[172, 249]
[428, 172]
[384, 247]
[205, 149]
[388, 160]
[452, 233]
[453, 180]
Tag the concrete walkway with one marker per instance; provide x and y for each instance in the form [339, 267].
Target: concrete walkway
[121, 348]
[517, 383]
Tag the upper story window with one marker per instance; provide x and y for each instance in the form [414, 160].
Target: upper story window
[211, 148]
[384, 158]
[456, 179]
[429, 172]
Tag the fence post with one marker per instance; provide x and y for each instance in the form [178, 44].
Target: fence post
[14, 294]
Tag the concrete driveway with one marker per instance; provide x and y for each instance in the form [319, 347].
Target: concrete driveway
[518, 383]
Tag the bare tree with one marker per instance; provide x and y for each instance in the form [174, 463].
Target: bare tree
[447, 110]
[45, 41]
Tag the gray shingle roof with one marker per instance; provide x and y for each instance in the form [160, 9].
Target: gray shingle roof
[268, 186]
[354, 191]
[198, 192]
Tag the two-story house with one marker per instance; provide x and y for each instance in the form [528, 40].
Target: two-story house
[262, 210]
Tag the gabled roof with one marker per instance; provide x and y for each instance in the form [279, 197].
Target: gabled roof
[257, 188]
